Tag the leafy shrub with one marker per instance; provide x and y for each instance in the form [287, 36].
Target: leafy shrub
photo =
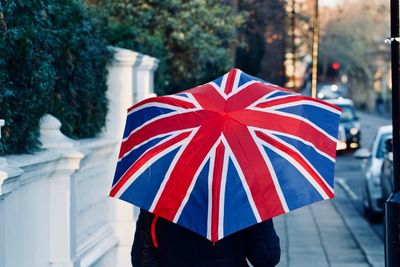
[53, 60]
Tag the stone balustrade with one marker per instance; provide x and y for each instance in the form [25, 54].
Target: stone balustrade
[54, 204]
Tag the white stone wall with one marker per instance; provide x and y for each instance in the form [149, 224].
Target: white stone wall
[54, 205]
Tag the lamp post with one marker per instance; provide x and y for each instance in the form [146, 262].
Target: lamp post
[392, 205]
[314, 70]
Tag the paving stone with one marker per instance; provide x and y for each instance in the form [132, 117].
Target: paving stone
[302, 259]
[337, 238]
[341, 255]
[327, 234]
[299, 264]
[333, 264]
[306, 250]
[283, 263]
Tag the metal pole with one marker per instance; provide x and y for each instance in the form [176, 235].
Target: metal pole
[392, 205]
[293, 41]
[314, 71]
[395, 90]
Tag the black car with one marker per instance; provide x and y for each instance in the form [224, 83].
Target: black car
[349, 135]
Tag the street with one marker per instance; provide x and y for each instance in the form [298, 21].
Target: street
[348, 170]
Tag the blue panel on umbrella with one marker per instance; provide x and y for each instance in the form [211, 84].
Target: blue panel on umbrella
[244, 78]
[126, 162]
[218, 81]
[237, 212]
[144, 189]
[323, 165]
[298, 191]
[326, 120]
[194, 214]
[141, 116]
[279, 93]
[182, 95]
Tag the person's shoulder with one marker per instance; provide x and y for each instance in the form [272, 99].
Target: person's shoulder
[263, 248]
[145, 217]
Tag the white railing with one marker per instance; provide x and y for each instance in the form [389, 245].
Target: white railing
[54, 205]
[89, 190]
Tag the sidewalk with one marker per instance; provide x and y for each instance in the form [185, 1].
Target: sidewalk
[329, 233]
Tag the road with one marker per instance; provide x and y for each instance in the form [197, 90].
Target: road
[348, 169]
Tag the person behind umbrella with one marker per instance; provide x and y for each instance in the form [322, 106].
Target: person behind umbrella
[159, 242]
[217, 159]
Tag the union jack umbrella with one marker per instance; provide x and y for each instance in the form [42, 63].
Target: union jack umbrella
[227, 154]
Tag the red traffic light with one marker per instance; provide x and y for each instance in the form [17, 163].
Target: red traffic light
[335, 66]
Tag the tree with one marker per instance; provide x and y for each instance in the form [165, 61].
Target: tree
[53, 59]
[264, 36]
[352, 34]
[192, 39]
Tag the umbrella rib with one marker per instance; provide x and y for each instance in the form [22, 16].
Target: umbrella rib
[210, 182]
[221, 220]
[216, 191]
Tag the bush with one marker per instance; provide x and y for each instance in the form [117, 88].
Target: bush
[53, 60]
[192, 39]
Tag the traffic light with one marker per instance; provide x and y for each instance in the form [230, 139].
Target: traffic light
[333, 70]
[335, 66]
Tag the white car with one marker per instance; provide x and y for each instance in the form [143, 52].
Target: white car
[372, 192]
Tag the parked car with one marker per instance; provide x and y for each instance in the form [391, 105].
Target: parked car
[373, 202]
[387, 171]
[349, 128]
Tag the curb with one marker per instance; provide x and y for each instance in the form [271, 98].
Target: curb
[368, 241]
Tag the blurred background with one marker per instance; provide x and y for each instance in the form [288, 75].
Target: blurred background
[70, 68]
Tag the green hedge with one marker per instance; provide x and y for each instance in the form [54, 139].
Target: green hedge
[53, 59]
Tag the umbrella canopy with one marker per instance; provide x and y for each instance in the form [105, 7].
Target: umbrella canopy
[228, 154]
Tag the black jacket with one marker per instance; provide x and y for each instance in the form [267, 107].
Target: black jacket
[179, 247]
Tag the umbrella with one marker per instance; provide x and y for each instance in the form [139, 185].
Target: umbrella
[228, 154]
